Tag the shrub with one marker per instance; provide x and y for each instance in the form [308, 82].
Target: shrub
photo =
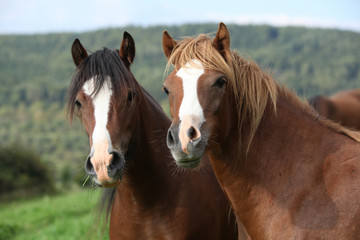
[22, 173]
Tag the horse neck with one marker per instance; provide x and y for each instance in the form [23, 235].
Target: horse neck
[148, 156]
[285, 146]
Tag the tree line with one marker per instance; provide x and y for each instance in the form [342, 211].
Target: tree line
[35, 71]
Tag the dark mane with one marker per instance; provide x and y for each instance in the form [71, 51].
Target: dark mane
[105, 204]
[102, 64]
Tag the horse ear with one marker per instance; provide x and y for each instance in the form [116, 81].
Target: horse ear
[222, 42]
[331, 109]
[78, 52]
[323, 105]
[127, 49]
[168, 44]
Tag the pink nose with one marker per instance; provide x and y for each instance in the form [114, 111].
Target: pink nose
[189, 131]
[107, 170]
[192, 134]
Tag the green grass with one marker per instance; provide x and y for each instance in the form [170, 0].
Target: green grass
[69, 216]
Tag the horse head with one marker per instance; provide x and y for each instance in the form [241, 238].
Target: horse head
[103, 95]
[196, 91]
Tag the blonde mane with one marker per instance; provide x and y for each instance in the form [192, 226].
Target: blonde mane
[253, 89]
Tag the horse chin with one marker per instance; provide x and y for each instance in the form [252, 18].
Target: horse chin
[190, 160]
[188, 163]
[107, 184]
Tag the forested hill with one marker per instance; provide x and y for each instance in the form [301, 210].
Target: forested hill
[35, 71]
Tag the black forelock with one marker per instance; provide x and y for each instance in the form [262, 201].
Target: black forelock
[102, 64]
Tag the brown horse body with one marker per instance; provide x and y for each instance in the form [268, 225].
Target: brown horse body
[152, 200]
[342, 107]
[287, 173]
[300, 180]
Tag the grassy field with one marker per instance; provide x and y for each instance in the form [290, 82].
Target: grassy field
[68, 216]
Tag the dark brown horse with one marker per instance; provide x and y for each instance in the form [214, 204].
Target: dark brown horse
[342, 107]
[287, 173]
[126, 129]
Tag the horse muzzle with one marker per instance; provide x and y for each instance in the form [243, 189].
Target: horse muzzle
[187, 153]
[105, 169]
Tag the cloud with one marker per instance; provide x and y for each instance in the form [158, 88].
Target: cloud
[40, 16]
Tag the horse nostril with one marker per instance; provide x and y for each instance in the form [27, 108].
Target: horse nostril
[117, 161]
[89, 168]
[170, 138]
[116, 165]
[191, 132]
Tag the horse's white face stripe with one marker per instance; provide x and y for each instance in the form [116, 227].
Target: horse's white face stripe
[101, 103]
[190, 104]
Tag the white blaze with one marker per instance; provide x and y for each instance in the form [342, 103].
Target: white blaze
[101, 103]
[190, 104]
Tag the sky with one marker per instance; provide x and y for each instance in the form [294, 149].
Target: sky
[46, 16]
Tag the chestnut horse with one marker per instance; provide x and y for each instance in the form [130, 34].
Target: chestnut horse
[126, 129]
[287, 173]
[342, 107]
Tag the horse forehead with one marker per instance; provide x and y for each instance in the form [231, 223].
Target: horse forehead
[190, 75]
[105, 91]
[100, 100]
[191, 71]
[101, 104]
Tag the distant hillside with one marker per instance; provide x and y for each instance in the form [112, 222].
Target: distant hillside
[35, 71]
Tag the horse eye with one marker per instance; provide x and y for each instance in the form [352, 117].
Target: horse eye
[166, 90]
[78, 103]
[220, 82]
[131, 96]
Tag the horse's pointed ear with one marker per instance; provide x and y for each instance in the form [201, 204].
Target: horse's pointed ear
[78, 52]
[222, 42]
[168, 44]
[127, 49]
